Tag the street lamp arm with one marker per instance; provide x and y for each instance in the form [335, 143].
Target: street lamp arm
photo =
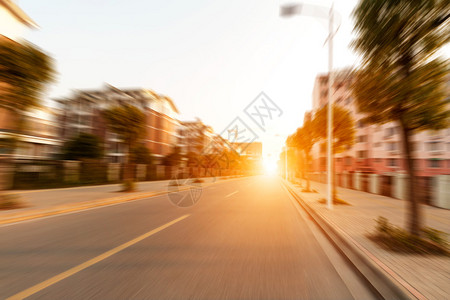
[309, 10]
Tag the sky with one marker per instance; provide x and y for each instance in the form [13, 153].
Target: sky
[211, 57]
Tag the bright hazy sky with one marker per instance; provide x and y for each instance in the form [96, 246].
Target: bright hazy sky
[211, 57]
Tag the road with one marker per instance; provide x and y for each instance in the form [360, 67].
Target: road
[244, 239]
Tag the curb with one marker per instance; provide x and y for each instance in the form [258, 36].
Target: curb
[381, 279]
[79, 206]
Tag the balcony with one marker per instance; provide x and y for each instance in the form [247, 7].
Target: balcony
[393, 152]
[436, 152]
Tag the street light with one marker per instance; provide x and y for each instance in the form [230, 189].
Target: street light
[285, 164]
[321, 12]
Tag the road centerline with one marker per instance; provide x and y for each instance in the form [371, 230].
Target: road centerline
[57, 278]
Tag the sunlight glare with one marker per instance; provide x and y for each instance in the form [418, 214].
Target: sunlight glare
[270, 166]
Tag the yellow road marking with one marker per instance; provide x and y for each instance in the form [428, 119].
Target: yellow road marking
[74, 207]
[80, 206]
[40, 286]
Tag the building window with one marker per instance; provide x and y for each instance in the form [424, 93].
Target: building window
[392, 146]
[434, 146]
[323, 147]
[377, 160]
[390, 131]
[362, 138]
[348, 161]
[362, 154]
[323, 162]
[85, 120]
[378, 144]
[434, 163]
[392, 162]
[360, 124]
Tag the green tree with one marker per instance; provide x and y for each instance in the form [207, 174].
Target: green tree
[140, 154]
[7, 145]
[128, 122]
[401, 78]
[192, 159]
[85, 145]
[24, 73]
[304, 139]
[174, 158]
[343, 131]
[343, 127]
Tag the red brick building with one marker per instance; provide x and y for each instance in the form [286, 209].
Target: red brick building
[82, 112]
[377, 148]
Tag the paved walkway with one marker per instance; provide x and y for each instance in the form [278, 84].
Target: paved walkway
[429, 275]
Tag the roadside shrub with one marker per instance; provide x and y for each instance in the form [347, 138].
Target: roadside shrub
[383, 225]
[10, 201]
[336, 201]
[436, 236]
[128, 186]
[394, 238]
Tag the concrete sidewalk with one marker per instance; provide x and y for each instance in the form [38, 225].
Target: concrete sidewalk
[425, 276]
[41, 203]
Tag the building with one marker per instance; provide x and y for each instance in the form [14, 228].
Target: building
[35, 135]
[13, 21]
[378, 148]
[196, 137]
[252, 151]
[35, 140]
[82, 113]
[250, 156]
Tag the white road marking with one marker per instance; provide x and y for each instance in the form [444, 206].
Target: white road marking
[229, 195]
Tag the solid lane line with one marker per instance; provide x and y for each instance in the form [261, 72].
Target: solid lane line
[40, 286]
[229, 195]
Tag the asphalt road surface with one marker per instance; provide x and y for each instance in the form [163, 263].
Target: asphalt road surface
[244, 239]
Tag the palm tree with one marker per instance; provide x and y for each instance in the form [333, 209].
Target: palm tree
[401, 79]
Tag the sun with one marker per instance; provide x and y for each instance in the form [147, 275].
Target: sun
[270, 166]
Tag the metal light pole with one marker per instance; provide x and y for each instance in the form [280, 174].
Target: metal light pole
[330, 112]
[285, 164]
[321, 12]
